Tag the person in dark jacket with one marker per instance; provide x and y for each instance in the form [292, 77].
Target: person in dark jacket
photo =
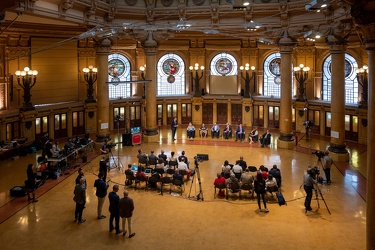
[114, 210]
[30, 183]
[260, 189]
[101, 193]
[80, 199]
[126, 206]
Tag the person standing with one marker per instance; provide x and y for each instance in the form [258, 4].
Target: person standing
[80, 199]
[327, 166]
[104, 166]
[260, 189]
[308, 185]
[101, 193]
[174, 126]
[126, 206]
[114, 210]
[30, 183]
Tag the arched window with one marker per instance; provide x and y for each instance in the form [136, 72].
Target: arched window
[351, 83]
[271, 75]
[223, 64]
[118, 70]
[171, 75]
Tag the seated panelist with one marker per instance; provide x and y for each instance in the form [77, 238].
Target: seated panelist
[240, 133]
[203, 130]
[253, 136]
[227, 132]
[265, 139]
[215, 130]
[190, 131]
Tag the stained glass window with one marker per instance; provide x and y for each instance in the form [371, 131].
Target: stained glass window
[118, 70]
[223, 64]
[171, 75]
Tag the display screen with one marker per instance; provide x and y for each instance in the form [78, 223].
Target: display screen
[135, 130]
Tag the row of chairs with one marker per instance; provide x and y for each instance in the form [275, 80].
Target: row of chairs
[237, 188]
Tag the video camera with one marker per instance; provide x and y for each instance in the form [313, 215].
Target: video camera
[308, 124]
[318, 153]
[111, 145]
[314, 171]
[197, 159]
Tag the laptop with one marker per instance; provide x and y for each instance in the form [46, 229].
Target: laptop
[134, 168]
[148, 171]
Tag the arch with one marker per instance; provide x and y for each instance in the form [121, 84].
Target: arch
[170, 75]
[119, 69]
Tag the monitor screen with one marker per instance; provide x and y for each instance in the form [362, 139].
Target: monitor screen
[135, 130]
[134, 168]
[148, 171]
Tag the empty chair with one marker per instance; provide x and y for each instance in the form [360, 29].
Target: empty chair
[153, 182]
[159, 171]
[179, 184]
[183, 173]
[165, 181]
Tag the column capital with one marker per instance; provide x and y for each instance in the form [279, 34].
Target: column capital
[337, 48]
[150, 45]
[103, 46]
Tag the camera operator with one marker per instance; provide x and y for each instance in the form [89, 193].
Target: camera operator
[327, 166]
[309, 180]
[103, 147]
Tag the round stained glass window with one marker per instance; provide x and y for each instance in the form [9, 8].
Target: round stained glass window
[274, 66]
[116, 68]
[171, 66]
[224, 66]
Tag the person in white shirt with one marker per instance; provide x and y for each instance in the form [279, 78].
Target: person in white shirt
[237, 170]
[215, 131]
[271, 184]
[183, 166]
[55, 149]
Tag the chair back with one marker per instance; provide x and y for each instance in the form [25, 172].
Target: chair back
[170, 171]
[246, 186]
[159, 171]
[142, 161]
[172, 164]
[152, 162]
[220, 186]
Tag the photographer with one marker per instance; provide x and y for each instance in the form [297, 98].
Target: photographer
[309, 180]
[327, 166]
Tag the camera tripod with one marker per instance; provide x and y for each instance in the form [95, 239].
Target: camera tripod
[196, 173]
[319, 192]
[118, 164]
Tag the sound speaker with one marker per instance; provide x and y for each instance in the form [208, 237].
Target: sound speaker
[203, 156]
[126, 139]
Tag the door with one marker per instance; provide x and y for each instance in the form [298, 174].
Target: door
[186, 113]
[258, 116]
[78, 123]
[172, 112]
[236, 114]
[41, 127]
[135, 116]
[222, 113]
[60, 126]
[351, 127]
[119, 118]
[207, 113]
[273, 117]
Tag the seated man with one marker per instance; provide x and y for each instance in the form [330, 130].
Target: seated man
[69, 146]
[237, 170]
[215, 131]
[184, 157]
[240, 133]
[153, 157]
[190, 131]
[265, 139]
[142, 157]
[163, 156]
[183, 166]
[220, 180]
[247, 178]
[177, 175]
[253, 136]
[203, 130]
[227, 132]
[242, 163]
[271, 184]
[129, 172]
[276, 173]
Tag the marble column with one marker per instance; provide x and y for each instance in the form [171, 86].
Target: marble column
[285, 139]
[150, 47]
[370, 215]
[102, 51]
[337, 144]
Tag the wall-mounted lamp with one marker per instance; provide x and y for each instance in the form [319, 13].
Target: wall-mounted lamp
[143, 69]
[247, 79]
[90, 75]
[196, 79]
[301, 74]
[363, 81]
[26, 79]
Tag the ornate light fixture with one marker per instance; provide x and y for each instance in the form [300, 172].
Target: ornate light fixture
[363, 81]
[301, 74]
[196, 79]
[142, 69]
[26, 79]
[247, 79]
[90, 75]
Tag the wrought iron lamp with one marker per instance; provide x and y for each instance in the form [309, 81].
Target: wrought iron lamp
[90, 75]
[363, 81]
[26, 79]
[301, 74]
[196, 78]
[247, 78]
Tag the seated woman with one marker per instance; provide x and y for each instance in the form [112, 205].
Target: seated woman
[220, 180]
[253, 136]
[191, 131]
[140, 173]
[203, 130]
[226, 168]
[271, 184]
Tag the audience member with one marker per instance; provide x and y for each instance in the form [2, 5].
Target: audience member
[80, 199]
[215, 131]
[140, 173]
[253, 136]
[327, 160]
[129, 172]
[101, 193]
[308, 184]
[271, 183]
[30, 182]
[81, 175]
[160, 164]
[103, 147]
[276, 173]
[237, 170]
[177, 175]
[69, 146]
[55, 149]
[114, 210]
[260, 189]
[172, 157]
[227, 132]
[183, 166]
[126, 205]
[152, 156]
[234, 185]
[203, 130]
[141, 155]
[265, 139]
[226, 168]
[263, 171]
[104, 166]
[190, 131]
[246, 177]
[183, 156]
[163, 156]
[43, 142]
[242, 163]
[240, 133]
[220, 180]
